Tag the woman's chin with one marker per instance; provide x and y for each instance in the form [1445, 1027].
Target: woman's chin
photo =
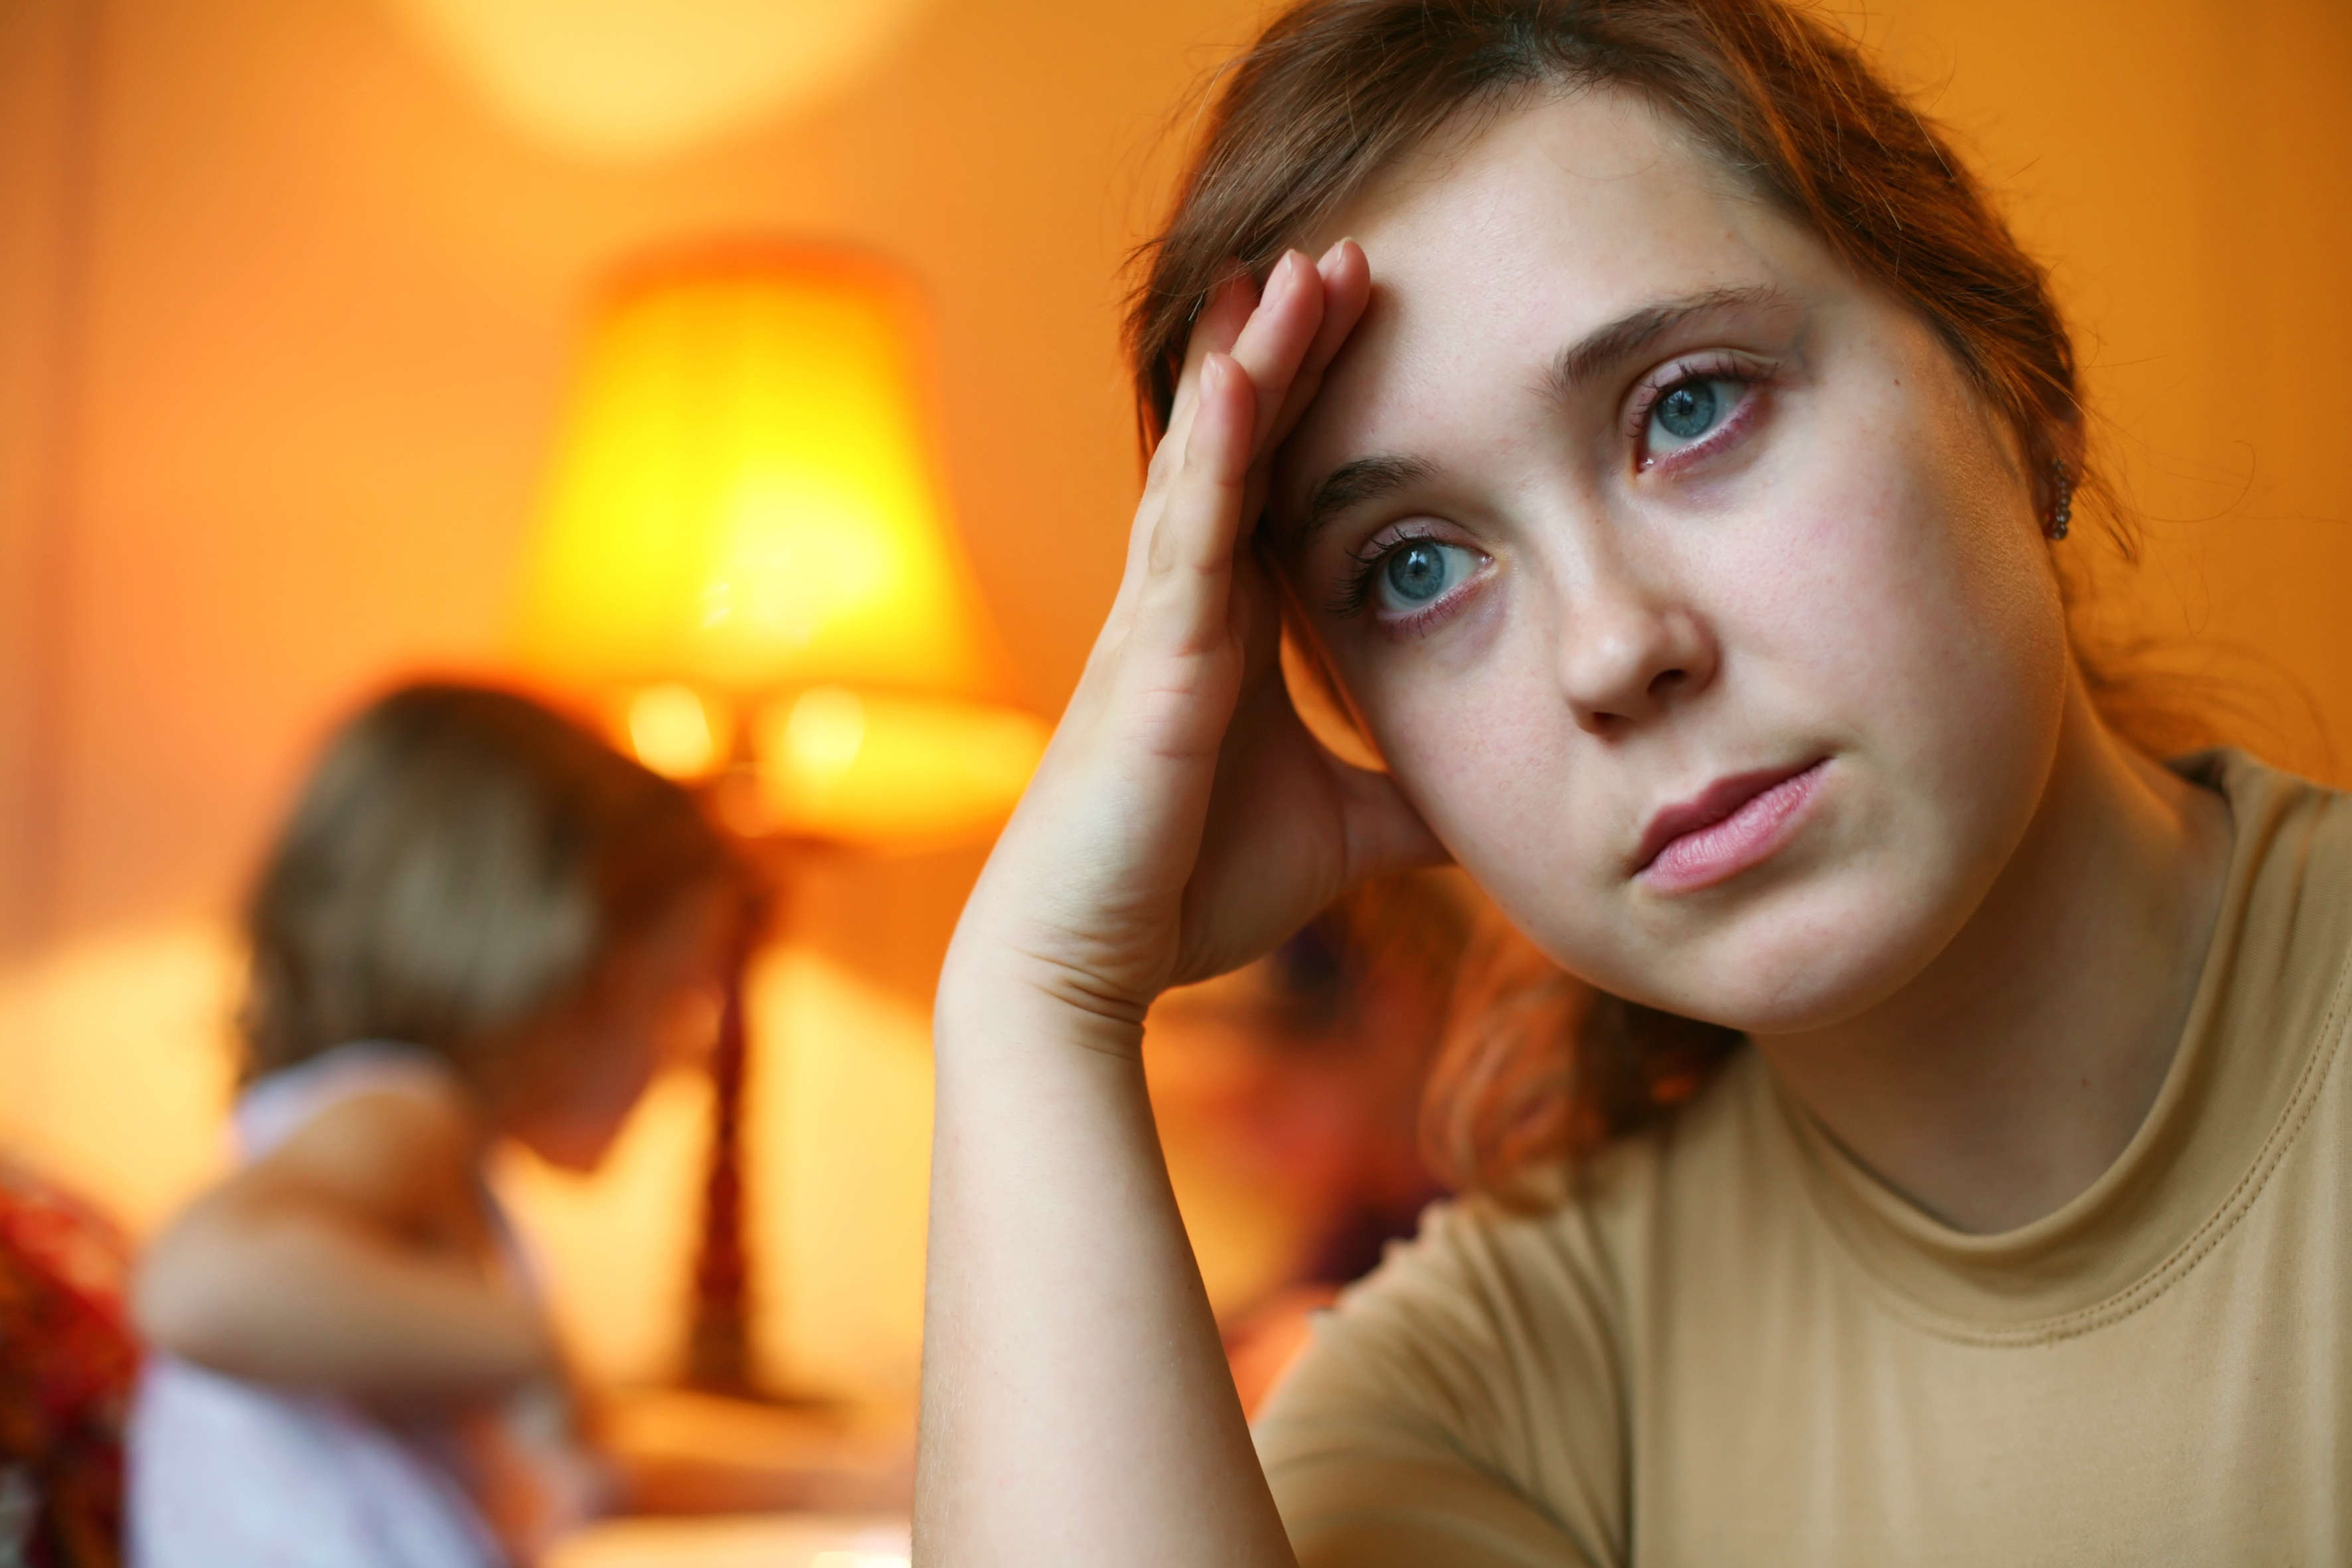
[1791, 971]
[1795, 1006]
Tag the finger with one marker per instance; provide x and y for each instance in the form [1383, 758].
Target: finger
[1224, 310]
[1222, 315]
[1265, 333]
[1346, 291]
[1276, 328]
[1190, 563]
[1280, 333]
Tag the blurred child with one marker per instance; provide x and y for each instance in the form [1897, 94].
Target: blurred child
[481, 923]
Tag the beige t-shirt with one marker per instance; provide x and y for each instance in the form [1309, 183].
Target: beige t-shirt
[1741, 1348]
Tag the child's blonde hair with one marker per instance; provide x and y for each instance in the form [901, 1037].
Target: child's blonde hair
[461, 860]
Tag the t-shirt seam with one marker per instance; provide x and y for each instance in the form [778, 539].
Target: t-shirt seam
[2192, 1250]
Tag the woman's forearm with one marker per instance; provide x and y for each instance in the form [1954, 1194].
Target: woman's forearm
[1077, 1403]
[1077, 1406]
[287, 1295]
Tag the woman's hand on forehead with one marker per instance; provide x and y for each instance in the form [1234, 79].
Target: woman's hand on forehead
[1282, 337]
[1182, 823]
[1185, 821]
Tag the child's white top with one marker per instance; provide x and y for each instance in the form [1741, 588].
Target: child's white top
[223, 1471]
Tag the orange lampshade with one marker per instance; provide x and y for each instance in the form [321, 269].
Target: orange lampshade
[745, 554]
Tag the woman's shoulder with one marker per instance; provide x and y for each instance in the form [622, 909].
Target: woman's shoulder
[1484, 1368]
[2284, 823]
[1586, 1243]
[2287, 915]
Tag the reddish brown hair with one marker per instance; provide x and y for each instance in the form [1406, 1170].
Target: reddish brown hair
[1336, 91]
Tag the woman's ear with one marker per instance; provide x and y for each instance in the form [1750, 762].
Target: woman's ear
[1315, 693]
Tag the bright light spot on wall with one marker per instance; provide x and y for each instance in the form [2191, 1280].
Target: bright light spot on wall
[117, 1064]
[639, 80]
[888, 768]
[823, 732]
[672, 732]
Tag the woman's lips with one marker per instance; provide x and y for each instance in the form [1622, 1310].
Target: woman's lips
[1734, 823]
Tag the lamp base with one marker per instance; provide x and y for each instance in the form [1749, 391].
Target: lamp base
[719, 1363]
[697, 1453]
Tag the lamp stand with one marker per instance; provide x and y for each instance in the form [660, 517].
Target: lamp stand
[718, 1339]
[718, 1358]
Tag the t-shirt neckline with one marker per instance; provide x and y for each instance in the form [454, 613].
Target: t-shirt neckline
[2229, 1103]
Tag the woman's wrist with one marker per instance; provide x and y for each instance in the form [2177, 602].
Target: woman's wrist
[1017, 1001]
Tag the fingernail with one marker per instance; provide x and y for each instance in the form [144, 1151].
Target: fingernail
[1284, 278]
[1330, 258]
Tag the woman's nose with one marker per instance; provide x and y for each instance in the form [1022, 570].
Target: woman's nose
[1628, 655]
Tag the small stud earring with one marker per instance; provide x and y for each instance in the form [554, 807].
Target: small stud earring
[2061, 508]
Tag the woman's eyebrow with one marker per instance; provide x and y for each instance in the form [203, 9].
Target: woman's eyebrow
[1349, 485]
[1606, 347]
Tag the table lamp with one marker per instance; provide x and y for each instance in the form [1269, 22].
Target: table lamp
[745, 563]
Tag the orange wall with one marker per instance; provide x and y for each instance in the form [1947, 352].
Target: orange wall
[2184, 166]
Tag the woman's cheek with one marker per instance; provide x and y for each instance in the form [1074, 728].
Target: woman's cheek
[1492, 771]
[1441, 735]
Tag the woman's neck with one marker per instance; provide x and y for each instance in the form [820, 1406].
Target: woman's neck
[2010, 1075]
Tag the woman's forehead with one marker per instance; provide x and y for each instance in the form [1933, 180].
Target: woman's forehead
[1492, 255]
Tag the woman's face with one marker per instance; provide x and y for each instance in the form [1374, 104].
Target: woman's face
[1628, 507]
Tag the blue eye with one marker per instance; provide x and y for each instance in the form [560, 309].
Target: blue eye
[1687, 410]
[1419, 571]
